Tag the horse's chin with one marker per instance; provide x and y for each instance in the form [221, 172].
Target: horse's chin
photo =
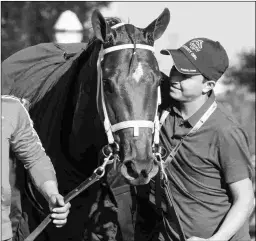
[141, 179]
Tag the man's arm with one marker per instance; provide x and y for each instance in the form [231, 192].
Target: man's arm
[235, 163]
[28, 148]
[237, 170]
[241, 209]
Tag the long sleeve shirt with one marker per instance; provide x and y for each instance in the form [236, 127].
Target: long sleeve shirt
[19, 136]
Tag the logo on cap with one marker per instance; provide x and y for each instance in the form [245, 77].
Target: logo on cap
[196, 45]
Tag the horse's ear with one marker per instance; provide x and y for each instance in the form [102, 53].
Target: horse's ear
[100, 26]
[159, 25]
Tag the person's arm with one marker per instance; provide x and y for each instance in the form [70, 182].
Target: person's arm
[236, 168]
[28, 148]
[242, 207]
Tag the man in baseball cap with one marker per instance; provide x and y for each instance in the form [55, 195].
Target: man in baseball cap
[210, 172]
[200, 56]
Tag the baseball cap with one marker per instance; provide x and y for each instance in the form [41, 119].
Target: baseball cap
[200, 56]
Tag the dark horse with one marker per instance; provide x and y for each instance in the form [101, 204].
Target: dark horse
[120, 69]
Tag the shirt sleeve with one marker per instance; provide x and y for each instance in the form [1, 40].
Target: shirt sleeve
[27, 147]
[234, 154]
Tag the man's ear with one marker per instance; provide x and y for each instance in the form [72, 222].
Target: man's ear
[208, 85]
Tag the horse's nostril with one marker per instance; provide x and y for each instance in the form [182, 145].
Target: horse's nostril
[131, 169]
[144, 173]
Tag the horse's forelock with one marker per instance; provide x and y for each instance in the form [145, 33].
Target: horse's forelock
[111, 21]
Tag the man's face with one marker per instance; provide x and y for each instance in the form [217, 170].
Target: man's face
[185, 87]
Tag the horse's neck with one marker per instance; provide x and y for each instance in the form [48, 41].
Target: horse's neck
[87, 131]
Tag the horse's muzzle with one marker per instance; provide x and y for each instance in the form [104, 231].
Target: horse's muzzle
[136, 175]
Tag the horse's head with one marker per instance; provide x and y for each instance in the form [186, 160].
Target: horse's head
[128, 80]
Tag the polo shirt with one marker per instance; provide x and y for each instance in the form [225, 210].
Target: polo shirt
[207, 161]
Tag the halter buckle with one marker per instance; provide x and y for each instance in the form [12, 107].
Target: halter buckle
[160, 150]
[160, 162]
[112, 148]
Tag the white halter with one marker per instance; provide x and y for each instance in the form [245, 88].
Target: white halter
[135, 124]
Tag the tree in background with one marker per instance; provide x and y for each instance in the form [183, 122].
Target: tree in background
[240, 99]
[243, 74]
[30, 23]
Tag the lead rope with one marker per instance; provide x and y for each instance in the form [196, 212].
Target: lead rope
[96, 176]
[163, 180]
[170, 199]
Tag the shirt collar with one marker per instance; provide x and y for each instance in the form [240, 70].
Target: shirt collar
[196, 116]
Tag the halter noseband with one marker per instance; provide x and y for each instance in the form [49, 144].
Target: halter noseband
[135, 124]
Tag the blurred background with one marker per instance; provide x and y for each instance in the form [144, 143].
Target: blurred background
[231, 23]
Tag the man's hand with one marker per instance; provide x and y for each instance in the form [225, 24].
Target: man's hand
[59, 210]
